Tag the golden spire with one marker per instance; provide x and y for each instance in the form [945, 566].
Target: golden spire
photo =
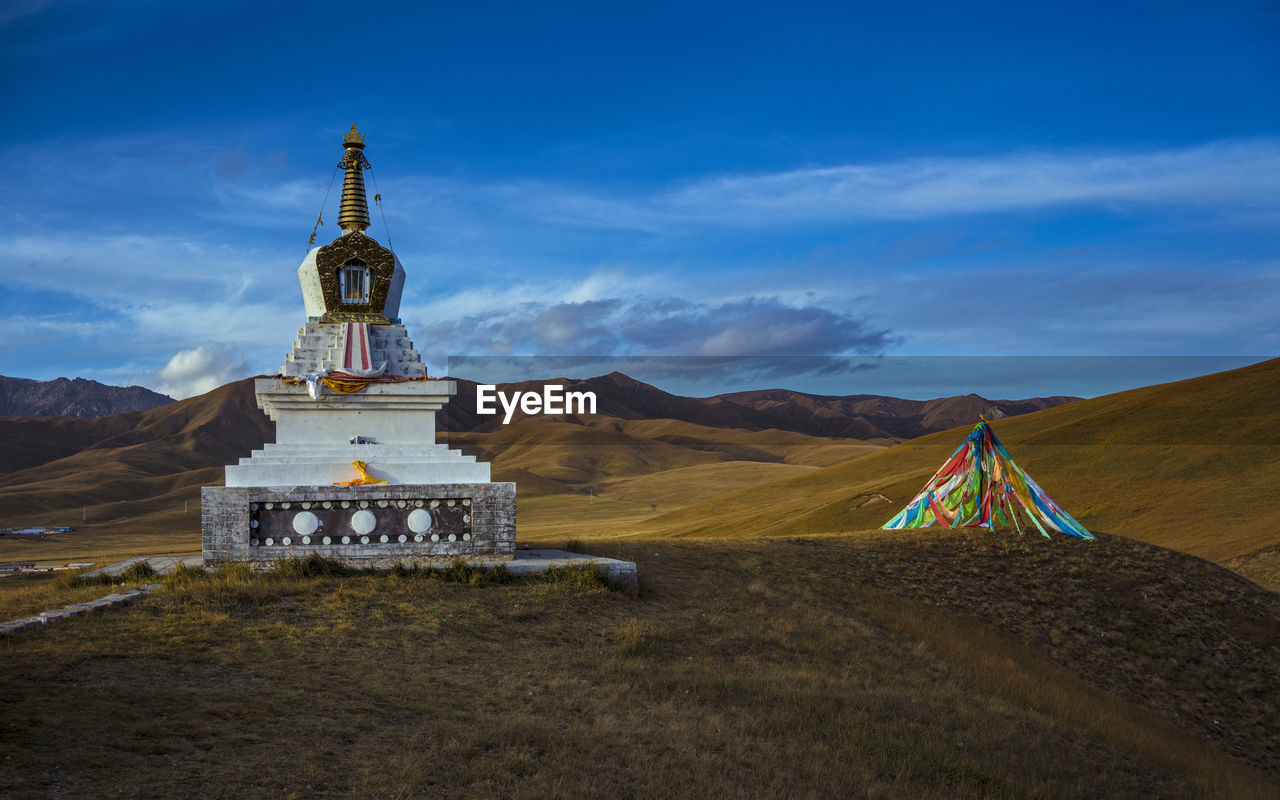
[353, 211]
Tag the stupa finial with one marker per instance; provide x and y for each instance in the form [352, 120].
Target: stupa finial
[353, 211]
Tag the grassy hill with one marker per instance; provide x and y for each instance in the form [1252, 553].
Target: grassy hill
[781, 646]
[1186, 465]
[864, 417]
[546, 455]
[920, 665]
[130, 483]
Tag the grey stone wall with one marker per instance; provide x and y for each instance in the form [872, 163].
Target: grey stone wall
[228, 512]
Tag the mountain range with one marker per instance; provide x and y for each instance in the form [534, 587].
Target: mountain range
[864, 417]
[138, 468]
[78, 397]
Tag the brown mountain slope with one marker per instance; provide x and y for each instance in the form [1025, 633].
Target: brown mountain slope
[866, 417]
[126, 467]
[1187, 465]
[907, 418]
[149, 458]
[73, 398]
[547, 455]
[141, 470]
[28, 441]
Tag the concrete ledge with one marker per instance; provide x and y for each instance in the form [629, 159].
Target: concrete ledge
[621, 574]
[163, 565]
[79, 609]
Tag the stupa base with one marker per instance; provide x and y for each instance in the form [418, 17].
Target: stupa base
[359, 524]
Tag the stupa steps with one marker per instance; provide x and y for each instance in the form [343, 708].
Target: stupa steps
[327, 472]
[348, 453]
[332, 334]
[347, 456]
[323, 346]
[334, 356]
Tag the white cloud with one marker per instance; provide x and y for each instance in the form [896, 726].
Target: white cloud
[135, 269]
[193, 372]
[481, 254]
[1228, 181]
[1233, 180]
[654, 325]
[1107, 308]
[1221, 176]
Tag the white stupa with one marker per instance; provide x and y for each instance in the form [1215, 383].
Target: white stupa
[354, 389]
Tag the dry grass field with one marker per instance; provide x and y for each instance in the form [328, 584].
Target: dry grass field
[781, 645]
[1186, 465]
[920, 665]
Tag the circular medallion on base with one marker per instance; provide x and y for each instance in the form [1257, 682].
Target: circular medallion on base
[363, 521]
[306, 523]
[419, 520]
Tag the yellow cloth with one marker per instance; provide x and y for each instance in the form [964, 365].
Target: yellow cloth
[353, 385]
[345, 385]
[365, 478]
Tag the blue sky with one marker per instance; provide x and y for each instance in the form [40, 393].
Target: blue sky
[842, 181]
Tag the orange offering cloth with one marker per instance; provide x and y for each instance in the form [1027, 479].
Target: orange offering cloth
[338, 383]
[365, 478]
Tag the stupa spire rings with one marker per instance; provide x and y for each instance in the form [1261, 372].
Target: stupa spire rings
[353, 211]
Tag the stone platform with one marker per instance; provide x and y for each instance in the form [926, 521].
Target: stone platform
[359, 524]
